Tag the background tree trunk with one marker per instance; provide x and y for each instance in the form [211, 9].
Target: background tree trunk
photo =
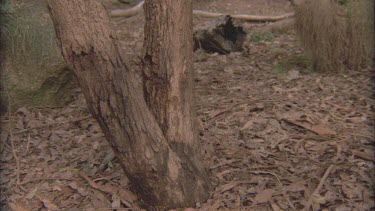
[90, 48]
[168, 76]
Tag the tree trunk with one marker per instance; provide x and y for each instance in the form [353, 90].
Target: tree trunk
[168, 76]
[90, 48]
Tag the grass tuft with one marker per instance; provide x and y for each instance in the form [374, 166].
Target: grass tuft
[298, 61]
[337, 34]
[261, 36]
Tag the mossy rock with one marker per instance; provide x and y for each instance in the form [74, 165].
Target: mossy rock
[33, 72]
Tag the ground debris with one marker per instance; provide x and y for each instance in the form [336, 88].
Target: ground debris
[270, 128]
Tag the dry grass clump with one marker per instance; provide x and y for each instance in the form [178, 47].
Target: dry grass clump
[336, 36]
[360, 32]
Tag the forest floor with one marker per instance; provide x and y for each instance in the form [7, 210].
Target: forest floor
[275, 135]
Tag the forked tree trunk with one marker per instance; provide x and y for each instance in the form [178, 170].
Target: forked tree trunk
[157, 174]
[168, 76]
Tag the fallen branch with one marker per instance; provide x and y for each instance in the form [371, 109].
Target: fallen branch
[204, 14]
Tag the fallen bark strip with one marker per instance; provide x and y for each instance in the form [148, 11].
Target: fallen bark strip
[204, 14]
[244, 17]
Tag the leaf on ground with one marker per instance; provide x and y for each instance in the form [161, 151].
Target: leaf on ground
[321, 129]
[293, 74]
[295, 187]
[318, 199]
[264, 196]
[248, 125]
[99, 200]
[32, 193]
[220, 175]
[275, 207]
[228, 186]
[217, 112]
[353, 190]
[318, 128]
[48, 203]
[76, 187]
[116, 202]
[223, 163]
[126, 195]
[356, 119]
[18, 207]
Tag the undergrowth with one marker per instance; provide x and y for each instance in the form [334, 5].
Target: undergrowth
[299, 61]
[261, 36]
[5, 11]
[337, 34]
[23, 32]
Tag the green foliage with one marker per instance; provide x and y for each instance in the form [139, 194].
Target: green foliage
[302, 62]
[258, 36]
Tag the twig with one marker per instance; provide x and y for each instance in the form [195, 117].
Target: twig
[28, 144]
[43, 179]
[108, 158]
[363, 155]
[92, 183]
[317, 189]
[284, 192]
[338, 152]
[282, 188]
[50, 124]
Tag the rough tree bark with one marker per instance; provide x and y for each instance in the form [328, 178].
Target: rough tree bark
[168, 74]
[157, 174]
